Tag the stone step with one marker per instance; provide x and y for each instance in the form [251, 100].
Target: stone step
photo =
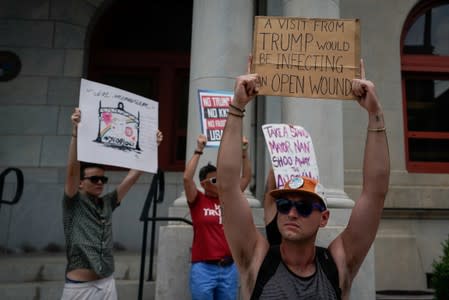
[40, 276]
[46, 267]
[404, 295]
[52, 290]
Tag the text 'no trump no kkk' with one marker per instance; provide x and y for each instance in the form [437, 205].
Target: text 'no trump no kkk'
[310, 58]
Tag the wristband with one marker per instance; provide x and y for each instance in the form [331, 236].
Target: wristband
[198, 152]
[376, 129]
[235, 115]
[242, 110]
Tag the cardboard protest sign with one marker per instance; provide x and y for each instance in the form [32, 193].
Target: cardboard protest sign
[291, 152]
[310, 58]
[213, 112]
[117, 128]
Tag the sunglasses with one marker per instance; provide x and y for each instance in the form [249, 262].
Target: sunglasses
[212, 180]
[304, 208]
[97, 179]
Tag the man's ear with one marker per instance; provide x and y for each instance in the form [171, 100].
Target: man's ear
[324, 218]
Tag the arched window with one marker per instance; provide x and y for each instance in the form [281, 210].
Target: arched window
[144, 47]
[425, 85]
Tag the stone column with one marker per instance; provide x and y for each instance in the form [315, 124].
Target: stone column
[323, 119]
[221, 43]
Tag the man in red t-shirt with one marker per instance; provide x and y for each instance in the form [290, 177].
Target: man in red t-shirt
[213, 274]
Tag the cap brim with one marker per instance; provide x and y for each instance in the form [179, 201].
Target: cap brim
[281, 192]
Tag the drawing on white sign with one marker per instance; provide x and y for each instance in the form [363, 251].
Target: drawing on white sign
[118, 128]
[291, 152]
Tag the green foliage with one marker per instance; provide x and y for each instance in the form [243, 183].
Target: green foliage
[440, 276]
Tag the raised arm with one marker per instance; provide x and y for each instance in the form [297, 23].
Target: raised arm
[189, 184]
[72, 179]
[240, 230]
[133, 175]
[269, 206]
[246, 168]
[361, 231]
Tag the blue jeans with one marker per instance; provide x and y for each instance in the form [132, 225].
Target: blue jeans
[213, 282]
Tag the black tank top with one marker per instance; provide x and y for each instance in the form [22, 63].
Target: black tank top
[272, 231]
[275, 281]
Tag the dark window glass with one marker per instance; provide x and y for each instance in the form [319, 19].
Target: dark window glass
[427, 104]
[429, 150]
[430, 33]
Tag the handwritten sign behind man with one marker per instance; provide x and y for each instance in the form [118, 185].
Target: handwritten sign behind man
[291, 152]
[117, 128]
[214, 107]
[311, 58]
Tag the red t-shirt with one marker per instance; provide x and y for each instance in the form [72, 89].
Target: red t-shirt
[209, 242]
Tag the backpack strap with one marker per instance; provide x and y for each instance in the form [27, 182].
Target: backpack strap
[329, 267]
[267, 270]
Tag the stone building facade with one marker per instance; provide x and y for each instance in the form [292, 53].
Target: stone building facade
[169, 50]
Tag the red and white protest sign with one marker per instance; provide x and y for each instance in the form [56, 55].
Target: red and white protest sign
[213, 111]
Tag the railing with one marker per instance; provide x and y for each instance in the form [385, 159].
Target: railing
[19, 187]
[156, 195]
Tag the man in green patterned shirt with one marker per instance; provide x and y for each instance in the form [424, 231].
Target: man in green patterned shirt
[87, 225]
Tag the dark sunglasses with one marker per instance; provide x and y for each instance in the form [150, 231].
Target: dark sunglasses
[97, 179]
[304, 208]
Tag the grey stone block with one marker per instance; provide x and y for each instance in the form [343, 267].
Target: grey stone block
[64, 91]
[24, 90]
[393, 262]
[51, 290]
[54, 270]
[64, 122]
[24, 9]
[128, 289]
[73, 63]
[174, 262]
[28, 120]
[20, 151]
[69, 36]
[35, 175]
[54, 151]
[15, 271]
[43, 62]
[72, 11]
[27, 224]
[95, 3]
[26, 33]
[24, 291]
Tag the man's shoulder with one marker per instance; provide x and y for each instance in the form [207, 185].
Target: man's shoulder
[73, 197]
[110, 194]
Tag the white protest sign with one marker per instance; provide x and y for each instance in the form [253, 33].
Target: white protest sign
[291, 152]
[214, 107]
[117, 127]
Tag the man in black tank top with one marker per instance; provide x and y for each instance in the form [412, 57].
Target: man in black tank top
[297, 269]
[270, 212]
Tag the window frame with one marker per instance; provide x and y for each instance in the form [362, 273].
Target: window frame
[424, 66]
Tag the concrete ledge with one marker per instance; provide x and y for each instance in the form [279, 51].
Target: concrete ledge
[45, 267]
[52, 290]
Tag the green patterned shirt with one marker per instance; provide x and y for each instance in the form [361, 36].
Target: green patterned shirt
[88, 232]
